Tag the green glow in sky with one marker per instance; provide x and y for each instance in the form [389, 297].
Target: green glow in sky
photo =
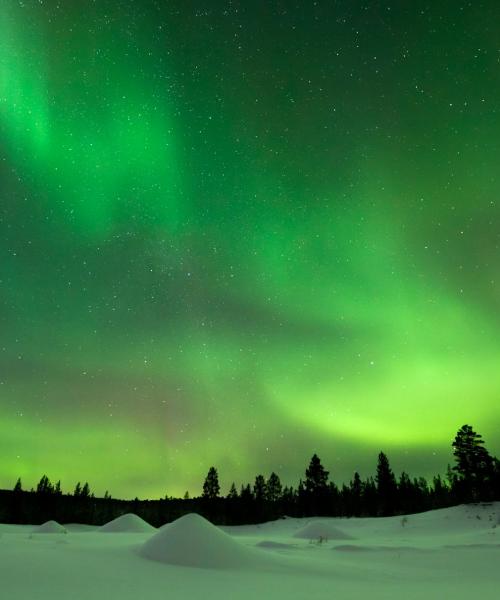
[238, 235]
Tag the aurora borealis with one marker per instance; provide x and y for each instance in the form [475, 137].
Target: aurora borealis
[237, 233]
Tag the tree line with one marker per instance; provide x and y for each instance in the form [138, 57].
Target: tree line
[474, 477]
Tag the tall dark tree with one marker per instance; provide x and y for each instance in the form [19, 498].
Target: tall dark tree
[386, 486]
[474, 465]
[211, 487]
[316, 487]
[85, 493]
[259, 488]
[233, 492]
[44, 486]
[78, 490]
[316, 475]
[273, 488]
[18, 487]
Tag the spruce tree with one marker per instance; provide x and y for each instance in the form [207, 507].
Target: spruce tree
[259, 488]
[474, 465]
[211, 487]
[386, 486]
[273, 488]
[18, 487]
[316, 487]
[233, 492]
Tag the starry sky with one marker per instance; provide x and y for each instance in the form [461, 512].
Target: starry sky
[237, 233]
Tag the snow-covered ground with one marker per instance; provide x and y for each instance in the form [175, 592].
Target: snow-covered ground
[451, 553]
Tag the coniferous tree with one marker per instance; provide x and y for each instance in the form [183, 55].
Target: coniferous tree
[233, 492]
[386, 486]
[273, 488]
[474, 465]
[44, 486]
[211, 487]
[259, 488]
[316, 487]
[78, 490]
[18, 487]
[85, 493]
[57, 488]
[186, 495]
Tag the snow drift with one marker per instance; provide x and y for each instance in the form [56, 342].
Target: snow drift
[192, 541]
[323, 529]
[50, 527]
[128, 523]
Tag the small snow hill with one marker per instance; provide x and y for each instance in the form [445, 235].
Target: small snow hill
[50, 527]
[128, 523]
[192, 541]
[323, 529]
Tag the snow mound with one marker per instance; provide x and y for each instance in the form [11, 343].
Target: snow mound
[50, 527]
[192, 541]
[128, 523]
[321, 529]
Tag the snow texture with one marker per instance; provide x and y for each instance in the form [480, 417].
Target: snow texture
[437, 555]
[50, 527]
[128, 523]
[323, 530]
[194, 542]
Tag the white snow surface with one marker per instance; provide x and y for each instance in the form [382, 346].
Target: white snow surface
[321, 530]
[447, 553]
[128, 523]
[192, 541]
[50, 527]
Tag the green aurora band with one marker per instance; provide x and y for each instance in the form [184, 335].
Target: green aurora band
[239, 235]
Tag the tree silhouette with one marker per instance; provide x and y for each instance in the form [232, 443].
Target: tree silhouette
[259, 488]
[44, 487]
[211, 487]
[273, 488]
[18, 487]
[316, 487]
[316, 476]
[233, 492]
[386, 486]
[78, 490]
[474, 465]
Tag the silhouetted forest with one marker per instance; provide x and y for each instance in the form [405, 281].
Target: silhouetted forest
[475, 477]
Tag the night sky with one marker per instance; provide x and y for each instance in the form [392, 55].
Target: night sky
[237, 233]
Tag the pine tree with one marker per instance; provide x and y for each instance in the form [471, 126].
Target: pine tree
[386, 486]
[85, 493]
[186, 495]
[316, 475]
[78, 490]
[259, 488]
[44, 486]
[57, 489]
[233, 493]
[211, 487]
[18, 487]
[273, 488]
[474, 465]
[316, 487]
